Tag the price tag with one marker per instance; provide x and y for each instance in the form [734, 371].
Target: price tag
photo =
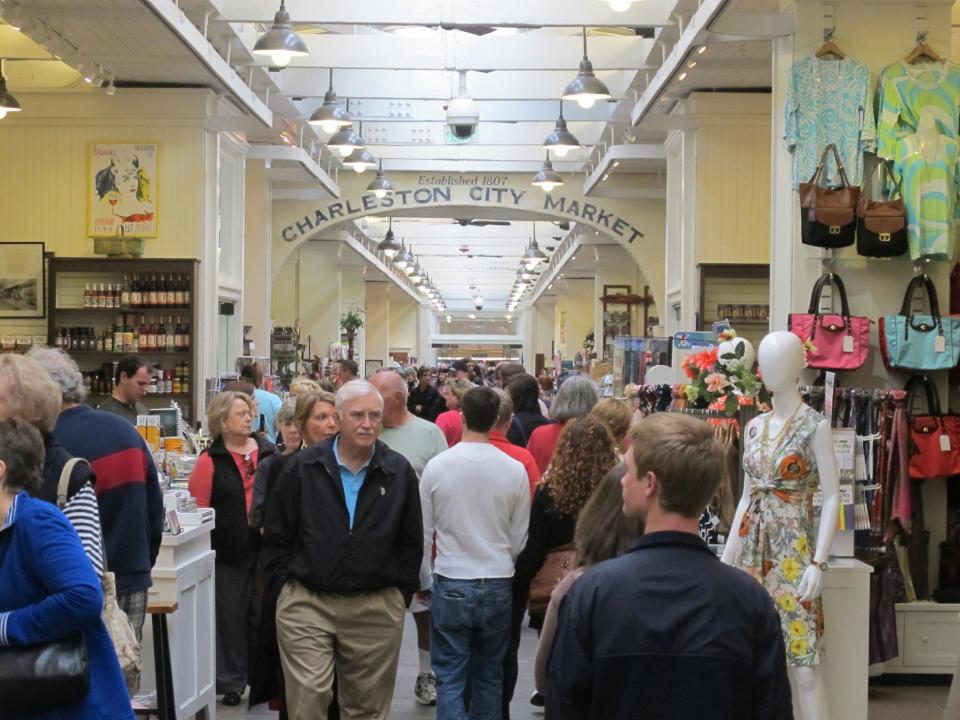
[844, 442]
[939, 344]
[848, 344]
[945, 443]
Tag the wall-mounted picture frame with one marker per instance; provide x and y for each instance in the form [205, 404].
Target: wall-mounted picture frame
[122, 189]
[22, 280]
[371, 366]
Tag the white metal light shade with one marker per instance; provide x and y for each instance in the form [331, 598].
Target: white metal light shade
[360, 160]
[547, 179]
[561, 140]
[345, 141]
[409, 262]
[586, 88]
[8, 103]
[380, 186]
[280, 43]
[389, 245]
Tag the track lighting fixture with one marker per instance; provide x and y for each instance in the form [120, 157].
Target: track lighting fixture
[280, 43]
[586, 88]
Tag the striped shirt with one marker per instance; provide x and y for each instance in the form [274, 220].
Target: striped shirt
[10, 516]
[84, 514]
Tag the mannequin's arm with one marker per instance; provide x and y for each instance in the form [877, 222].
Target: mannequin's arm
[812, 582]
[731, 551]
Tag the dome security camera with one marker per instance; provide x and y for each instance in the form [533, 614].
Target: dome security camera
[463, 115]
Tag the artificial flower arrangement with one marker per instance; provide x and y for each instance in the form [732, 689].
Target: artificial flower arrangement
[723, 378]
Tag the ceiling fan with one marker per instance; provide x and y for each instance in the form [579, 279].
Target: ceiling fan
[464, 222]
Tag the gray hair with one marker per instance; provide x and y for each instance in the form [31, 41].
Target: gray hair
[575, 399]
[356, 389]
[505, 411]
[286, 412]
[395, 379]
[28, 392]
[64, 371]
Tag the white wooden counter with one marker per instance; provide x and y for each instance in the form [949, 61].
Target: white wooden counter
[183, 574]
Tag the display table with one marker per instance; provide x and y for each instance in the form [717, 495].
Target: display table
[928, 635]
[183, 574]
[846, 609]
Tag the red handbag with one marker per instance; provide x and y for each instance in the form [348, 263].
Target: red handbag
[840, 342]
[934, 436]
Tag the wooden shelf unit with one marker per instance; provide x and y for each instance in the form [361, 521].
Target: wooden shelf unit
[68, 278]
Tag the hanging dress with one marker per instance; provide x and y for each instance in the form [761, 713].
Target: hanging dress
[777, 529]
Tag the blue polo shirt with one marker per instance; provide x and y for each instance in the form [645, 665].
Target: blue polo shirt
[352, 482]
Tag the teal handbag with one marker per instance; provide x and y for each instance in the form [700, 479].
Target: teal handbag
[917, 342]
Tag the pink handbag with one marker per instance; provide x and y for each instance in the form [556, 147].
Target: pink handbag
[839, 342]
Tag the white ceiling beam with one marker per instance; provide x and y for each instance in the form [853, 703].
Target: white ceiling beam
[441, 84]
[496, 153]
[487, 134]
[488, 166]
[455, 13]
[490, 110]
[385, 51]
[295, 155]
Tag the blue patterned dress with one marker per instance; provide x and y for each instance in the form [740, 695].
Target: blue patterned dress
[829, 101]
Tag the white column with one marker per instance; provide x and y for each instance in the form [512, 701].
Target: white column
[319, 303]
[377, 321]
[783, 211]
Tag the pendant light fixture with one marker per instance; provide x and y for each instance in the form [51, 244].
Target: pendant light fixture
[534, 255]
[345, 140]
[411, 263]
[620, 5]
[548, 178]
[416, 274]
[561, 140]
[330, 116]
[380, 186]
[8, 103]
[586, 88]
[389, 245]
[280, 43]
[403, 257]
[360, 160]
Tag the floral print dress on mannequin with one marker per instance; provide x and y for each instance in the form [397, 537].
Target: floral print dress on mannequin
[777, 529]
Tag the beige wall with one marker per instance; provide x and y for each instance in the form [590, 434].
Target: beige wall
[256, 250]
[733, 194]
[44, 182]
[403, 322]
[284, 293]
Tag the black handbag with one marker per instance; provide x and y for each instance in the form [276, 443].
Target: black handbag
[43, 677]
[882, 224]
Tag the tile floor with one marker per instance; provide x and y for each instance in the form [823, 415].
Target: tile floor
[886, 702]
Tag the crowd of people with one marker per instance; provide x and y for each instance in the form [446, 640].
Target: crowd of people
[457, 495]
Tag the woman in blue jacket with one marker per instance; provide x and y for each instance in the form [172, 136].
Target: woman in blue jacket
[48, 588]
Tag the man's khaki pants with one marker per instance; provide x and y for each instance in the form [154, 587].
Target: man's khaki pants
[357, 634]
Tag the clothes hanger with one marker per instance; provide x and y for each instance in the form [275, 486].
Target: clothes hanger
[829, 47]
[922, 50]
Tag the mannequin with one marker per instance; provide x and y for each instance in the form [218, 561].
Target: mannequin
[778, 449]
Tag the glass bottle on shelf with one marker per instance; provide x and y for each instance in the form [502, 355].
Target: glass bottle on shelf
[127, 335]
[144, 337]
[125, 293]
[178, 292]
[115, 295]
[86, 296]
[186, 291]
[186, 336]
[168, 337]
[135, 292]
[152, 292]
[161, 336]
[168, 291]
[118, 334]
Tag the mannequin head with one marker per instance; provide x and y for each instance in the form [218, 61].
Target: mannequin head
[781, 360]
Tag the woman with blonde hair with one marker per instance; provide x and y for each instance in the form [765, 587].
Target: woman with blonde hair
[584, 455]
[451, 421]
[616, 416]
[223, 479]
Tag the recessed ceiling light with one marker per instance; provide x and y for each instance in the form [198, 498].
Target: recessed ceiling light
[616, 163]
[702, 50]
[472, 316]
[682, 76]
[692, 64]
[605, 177]
[574, 257]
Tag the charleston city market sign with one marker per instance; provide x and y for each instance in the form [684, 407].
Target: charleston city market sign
[457, 191]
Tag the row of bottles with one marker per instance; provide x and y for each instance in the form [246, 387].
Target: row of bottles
[124, 337]
[152, 291]
[174, 381]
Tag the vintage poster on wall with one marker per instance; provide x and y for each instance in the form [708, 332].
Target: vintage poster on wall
[22, 284]
[122, 190]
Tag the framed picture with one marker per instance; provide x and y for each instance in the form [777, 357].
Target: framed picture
[371, 366]
[22, 280]
[122, 188]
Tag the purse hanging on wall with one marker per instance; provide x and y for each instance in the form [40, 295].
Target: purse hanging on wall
[828, 216]
[914, 341]
[840, 342]
[882, 224]
[934, 436]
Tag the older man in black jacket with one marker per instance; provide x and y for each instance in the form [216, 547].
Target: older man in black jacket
[346, 531]
[666, 631]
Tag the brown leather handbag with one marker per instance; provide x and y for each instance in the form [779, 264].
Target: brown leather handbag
[828, 215]
[558, 563]
[882, 224]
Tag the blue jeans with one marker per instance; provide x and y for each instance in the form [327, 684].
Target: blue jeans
[470, 621]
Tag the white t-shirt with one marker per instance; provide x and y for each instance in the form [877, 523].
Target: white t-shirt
[477, 500]
[417, 440]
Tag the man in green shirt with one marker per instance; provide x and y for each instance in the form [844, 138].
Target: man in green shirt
[131, 380]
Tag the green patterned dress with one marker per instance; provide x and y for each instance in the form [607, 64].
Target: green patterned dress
[905, 90]
[777, 529]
